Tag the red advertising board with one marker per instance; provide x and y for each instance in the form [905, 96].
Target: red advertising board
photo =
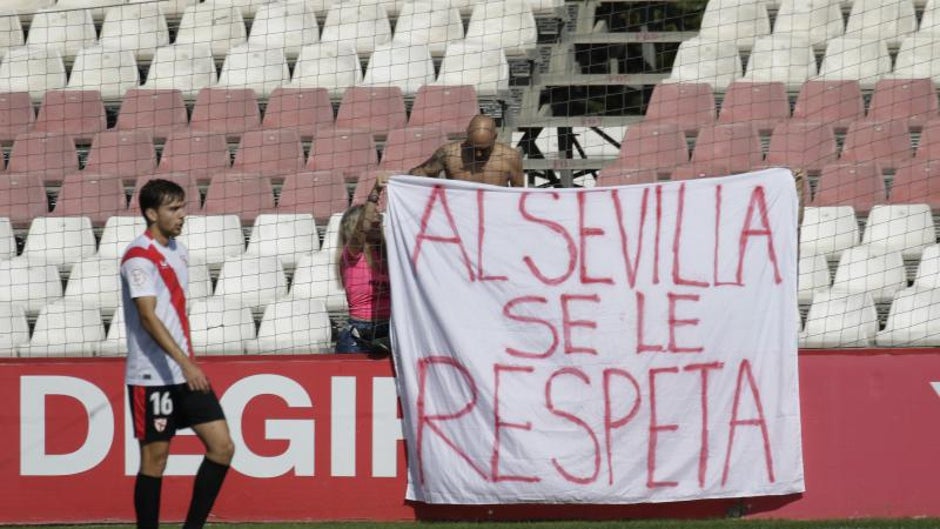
[319, 438]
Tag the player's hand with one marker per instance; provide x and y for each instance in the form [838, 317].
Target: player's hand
[195, 378]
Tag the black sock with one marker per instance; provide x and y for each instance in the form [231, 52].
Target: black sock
[208, 482]
[147, 501]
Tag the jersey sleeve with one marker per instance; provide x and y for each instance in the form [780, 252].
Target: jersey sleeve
[141, 277]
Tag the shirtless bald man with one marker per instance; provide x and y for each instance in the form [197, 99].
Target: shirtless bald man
[477, 159]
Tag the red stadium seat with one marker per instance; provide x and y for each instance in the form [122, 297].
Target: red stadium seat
[802, 145]
[96, 196]
[187, 182]
[691, 171]
[305, 110]
[735, 147]
[929, 146]
[615, 175]
[270, 153]
[659, 146]
[229, 111]
[123, 153]
[689, 105]
[161, 112]
[364, 187]
[762, 104]
[449, 107]
[837, 103]
[917, 182]
[16, 115]
[377, 109]
[348, 151]
[79, 113]
[322, 193]
[196, 153]
[859, 185]
[244, 194]
[410, 147]
[22, 198]
[910, 100]
[887, 143]
[51, 156]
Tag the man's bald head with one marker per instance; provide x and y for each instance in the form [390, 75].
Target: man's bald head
[481, 132]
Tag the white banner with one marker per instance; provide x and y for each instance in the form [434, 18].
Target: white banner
[607, 345]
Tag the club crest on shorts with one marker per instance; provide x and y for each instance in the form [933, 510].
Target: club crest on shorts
[159, 424]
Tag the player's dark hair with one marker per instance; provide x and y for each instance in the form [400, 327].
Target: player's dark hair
[158, 192]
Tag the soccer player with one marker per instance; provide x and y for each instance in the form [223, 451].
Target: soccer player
[167, 389]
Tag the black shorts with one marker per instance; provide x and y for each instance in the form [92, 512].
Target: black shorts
[159, 411]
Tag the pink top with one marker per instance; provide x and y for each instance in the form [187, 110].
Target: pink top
[367, 289]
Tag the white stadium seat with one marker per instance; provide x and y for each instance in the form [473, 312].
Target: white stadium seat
[360, 26]
[506, 24]
[60, 241]
[863, 270]
[97, 8]
[252, 281]
[212, 239]
[839, 319]
[828, 230]
[919, 58]
[111, 72]
[11, 33]
[285, 236]
[707, 61]
[289, 26]
[293, 326]
[331, 235]
[904, 228]
[29, 285]
[928, 270]
[65, 329]
[220, 26]
[332, 66]
[26, 8]
[185, 67]
[220, 326]
[115, 342]
[408, 67]
[64, 32]
[781, 58]
[814, 276]
[913, 321]
[317, 277]
[852, 59]
[474, 63]
[248, 8]
[200, 282]
[7, 240]
[118, 233]
[33, 70]
[884, 20]
[816, 21]
[430, 23]
[170, 8]
[138, 28]
[95, 283]
[735, 21]
[14, 329]
[256, 67]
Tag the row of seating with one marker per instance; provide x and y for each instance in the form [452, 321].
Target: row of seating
[307, 111]
[788, 59]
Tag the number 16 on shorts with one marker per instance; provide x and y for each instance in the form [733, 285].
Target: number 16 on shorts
[152, 409]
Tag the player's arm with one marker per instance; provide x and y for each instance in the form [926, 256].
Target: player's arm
[146, 308]
[516, 174]
[369, 217]
[432, 167]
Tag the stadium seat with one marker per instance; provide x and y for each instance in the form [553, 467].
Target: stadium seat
[930, 21]
[448, 107]
[913, 101]
[248, 8]
[617, 175]
[200, 282]
[96, 196]
[881, 20]
[734, 147]
[256, 67]
[156, 112]
[912, 320]
[11, 33]
[22, 198]
[839, 319]
[928, 271]
[29, 285]
[735, 21]
[764, 105]
[347, 151]
[229, 111]
[689, 105]
[285, 236]
[317, 277]
[7, 240]
[866, 270]
[220, 327]
[320, 193]
[16, 115]
[95, 283]
[110, 72]
[887, 143]
[813, 276]
[917, 182]
[252, 281]
[33, 70]
[473, 63]
[410, 147]
[185, 67]
[700, 60]
[905, 228]
[115, 342]
[137, 28]
[211, 239]
[433, 24]
[361, 26]
[859, 185]
[837, 103]
[658, 146]
[919, 57]
[802, 144]
[170, 8]
[372, 108]
[51, 156]
[303, 110]
[293, 326]
[815, 21]
[65, 329]
[332, 66]
[405, 66]
[59, 241]
[828, 230]
[286, 26]
[217, 24]
[78, 113]
[119, 232]
[270, 153]
[691, 171]
[97, 8]
[244, 194]
[852, 59]
[928, 148]
[14, 329]
[331, 238]
[26, 8]
[62, 31]
[198, 154]
[787, 59]
[124, 153]
[184, 180]
[507, 24]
